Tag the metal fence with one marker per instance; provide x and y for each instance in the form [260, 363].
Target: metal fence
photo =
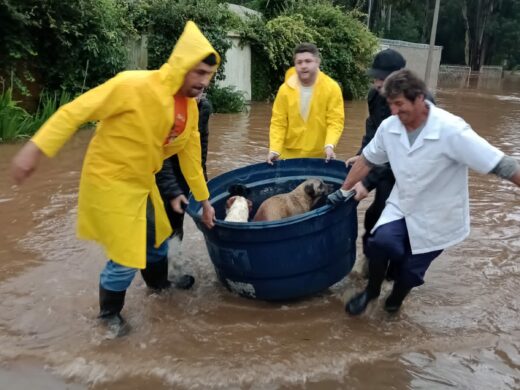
[492, 71]
[463, 76]
[454, 75]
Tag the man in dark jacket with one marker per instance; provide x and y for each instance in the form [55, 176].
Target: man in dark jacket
[174, 189]
[380, 177]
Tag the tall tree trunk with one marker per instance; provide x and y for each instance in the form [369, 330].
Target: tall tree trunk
[483, 41]
[483, 51]
[383, 16]
[476, 20]
[467, 35]
[389, 18]
[426, 24]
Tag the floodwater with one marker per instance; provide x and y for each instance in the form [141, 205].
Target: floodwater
[460, 330]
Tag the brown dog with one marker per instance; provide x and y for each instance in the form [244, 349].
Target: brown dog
[298, 201]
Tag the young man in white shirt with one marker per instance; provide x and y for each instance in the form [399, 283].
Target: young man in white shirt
[427, 211]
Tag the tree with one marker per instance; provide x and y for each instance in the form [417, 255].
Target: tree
[503, 44]
[477, 15]
[491, 32]
[164, 22]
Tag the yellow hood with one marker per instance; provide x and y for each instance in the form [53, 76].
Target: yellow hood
[291, 78]
[191, 48]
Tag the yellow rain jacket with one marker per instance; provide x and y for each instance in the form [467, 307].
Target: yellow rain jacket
[135, 110]
[292, 136]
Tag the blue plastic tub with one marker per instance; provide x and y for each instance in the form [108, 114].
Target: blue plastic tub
[285, 259]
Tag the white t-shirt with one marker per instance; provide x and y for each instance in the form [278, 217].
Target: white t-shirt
[431, 188]
[305, 100]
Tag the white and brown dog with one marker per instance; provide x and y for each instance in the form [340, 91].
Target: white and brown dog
[238, 206]
[300, 200]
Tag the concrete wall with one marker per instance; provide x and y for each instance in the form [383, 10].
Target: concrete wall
[238, 67]
[416, 55]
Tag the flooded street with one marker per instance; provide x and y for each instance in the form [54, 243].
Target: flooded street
[459, 330]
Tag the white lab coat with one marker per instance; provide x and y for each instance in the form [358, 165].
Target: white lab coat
[431, 176]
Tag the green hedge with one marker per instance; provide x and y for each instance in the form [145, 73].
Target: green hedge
[226, 100]
[62, 44]
[76, 45]
[164, 20]
[79, 44]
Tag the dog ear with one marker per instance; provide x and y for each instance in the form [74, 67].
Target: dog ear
[238, 189]
[230, 202]
[309, 190]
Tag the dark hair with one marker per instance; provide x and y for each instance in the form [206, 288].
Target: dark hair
[404, 82]
[307, 48]
[210, 60]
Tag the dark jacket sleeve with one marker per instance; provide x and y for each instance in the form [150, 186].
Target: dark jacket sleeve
[205, 111]
[378, 111]
[167, 179]
[376, 174]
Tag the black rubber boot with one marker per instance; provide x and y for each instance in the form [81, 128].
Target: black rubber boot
[155, 275]
[395, 299]
[181, 281]
[377, 271]
[110, 305]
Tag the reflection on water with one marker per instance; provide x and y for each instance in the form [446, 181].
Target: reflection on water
[458, 330]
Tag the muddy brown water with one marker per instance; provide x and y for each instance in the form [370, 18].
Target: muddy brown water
[459, 330]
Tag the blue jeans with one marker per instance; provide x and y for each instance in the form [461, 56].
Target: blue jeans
[116, 277]
[391, 241]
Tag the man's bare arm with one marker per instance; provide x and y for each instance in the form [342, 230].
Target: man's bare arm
[357, 173]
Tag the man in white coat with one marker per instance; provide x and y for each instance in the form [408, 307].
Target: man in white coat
[427, 211]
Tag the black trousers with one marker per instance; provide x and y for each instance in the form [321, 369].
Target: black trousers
[177, 222]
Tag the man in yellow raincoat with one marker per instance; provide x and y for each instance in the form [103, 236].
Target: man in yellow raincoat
[144, 117]
[308, 113]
